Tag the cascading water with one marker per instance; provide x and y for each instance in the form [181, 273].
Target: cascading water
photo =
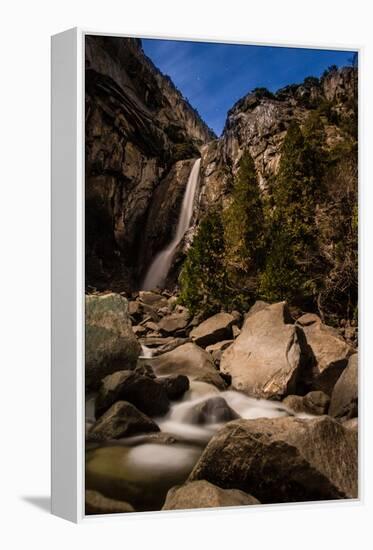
[160, 267]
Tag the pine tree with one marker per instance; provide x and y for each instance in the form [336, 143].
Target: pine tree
[243, 233]
[292, 259]
[202, 278]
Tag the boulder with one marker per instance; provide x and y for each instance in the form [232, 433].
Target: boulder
[175, 385]
[174, 322]
[295, 403]
[202, 494]
[258, 306]
[153, 299]
[285, 459]
[110, 343]
[267, 358]
[121, 420]
[351, 424]
[170, 345]
[214, 329]
[142, 391]
[190, 360]
[315, 403]
[96, 503]
[344, 401]
[217, 349]
[211, 411]
[330, 353]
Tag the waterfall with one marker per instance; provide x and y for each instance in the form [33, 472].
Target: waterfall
[161, 264]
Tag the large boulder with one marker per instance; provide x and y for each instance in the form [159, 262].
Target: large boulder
[344, 401]
[121, 420]
[190, 360]
[214, 329]
[202, 494]
[266, 359]
[284, 459]
[330, 353]
[110, 343]
[142, 391]
[96, 503]
[211, 411]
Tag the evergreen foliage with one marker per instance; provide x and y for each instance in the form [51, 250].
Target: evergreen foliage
[202, 278]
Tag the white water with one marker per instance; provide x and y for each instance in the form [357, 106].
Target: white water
[146, 352]
[160, 267]
[176, 421]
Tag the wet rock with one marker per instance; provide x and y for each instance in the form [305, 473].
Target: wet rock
[330, 353]
[190, 360]
[216, 328]
[175, 385]
[121, 420]
[211, 411]
[142, 391]
[96, 503]
[110, 343]
[344, 401]
[202, 494]
[266, 359]
[284, 459]
[295, 403]
[315, 403]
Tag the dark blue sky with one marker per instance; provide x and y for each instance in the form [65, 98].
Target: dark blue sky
[214, 76]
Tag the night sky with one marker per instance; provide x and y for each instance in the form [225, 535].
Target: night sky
[214, 76]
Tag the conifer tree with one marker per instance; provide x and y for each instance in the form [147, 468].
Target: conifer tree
[202, 278]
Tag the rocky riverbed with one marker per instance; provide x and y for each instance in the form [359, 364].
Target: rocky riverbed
[241, 408]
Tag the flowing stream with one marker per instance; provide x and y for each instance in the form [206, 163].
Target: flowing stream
[141, 469]
[161, 264]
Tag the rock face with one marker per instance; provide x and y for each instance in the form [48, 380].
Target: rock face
[259, 122]
[344, 401]
[266, 359]
[215, 328]
[283, 459]
[202, 494]
[96, 503]
[110, 343]
[190, 360]
[121, 420]
[330, 353]
[142, 391]
[137, 125]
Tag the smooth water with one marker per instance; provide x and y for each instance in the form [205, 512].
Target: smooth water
[141, 469]
[160, 266]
